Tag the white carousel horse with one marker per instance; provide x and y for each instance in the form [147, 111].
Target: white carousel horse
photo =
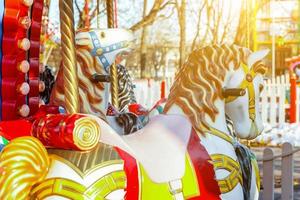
[105, 46]
[179, 176]
[96, 52]
[123, 119]
[206, 108]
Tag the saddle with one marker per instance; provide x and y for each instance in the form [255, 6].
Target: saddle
[160, 146]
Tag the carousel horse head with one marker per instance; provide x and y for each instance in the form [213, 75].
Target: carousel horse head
[96, 50]
[243, 109]
[106, 44]
[215, 77]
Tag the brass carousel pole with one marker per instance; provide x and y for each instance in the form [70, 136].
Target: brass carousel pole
[69, 56]
[113, 68]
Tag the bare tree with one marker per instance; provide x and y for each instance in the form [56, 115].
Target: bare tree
[212, 26]
[248, 17]
[143, 56]
[227, 26]
[88, 10]
[148, 19]
[181, 12]
[241, 37]
[200, 12]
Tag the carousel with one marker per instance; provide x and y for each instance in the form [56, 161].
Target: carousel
[82, 135]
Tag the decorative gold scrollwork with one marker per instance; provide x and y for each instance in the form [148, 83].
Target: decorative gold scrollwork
[221, 161]
[73, 190]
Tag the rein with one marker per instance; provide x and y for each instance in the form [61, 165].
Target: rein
[221, 135]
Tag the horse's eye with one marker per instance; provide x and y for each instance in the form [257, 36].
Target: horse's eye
[261, 88]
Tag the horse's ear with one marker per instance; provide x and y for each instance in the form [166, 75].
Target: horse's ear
[83, 39]
[257, 56]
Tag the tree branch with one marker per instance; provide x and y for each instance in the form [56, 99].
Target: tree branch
[226, 26]
[198, 24]
[80, 22]
[150, 18]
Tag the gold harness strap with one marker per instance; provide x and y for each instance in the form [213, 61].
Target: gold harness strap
[221, 161]
[220, 134]
[247, 83]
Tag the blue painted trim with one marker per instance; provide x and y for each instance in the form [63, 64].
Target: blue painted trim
[2, 8]
[107, 49]
[2, 147]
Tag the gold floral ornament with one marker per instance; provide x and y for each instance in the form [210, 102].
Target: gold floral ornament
[24, 162]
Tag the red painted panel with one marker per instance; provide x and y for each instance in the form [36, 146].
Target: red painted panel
[13, 34]
[34, 54]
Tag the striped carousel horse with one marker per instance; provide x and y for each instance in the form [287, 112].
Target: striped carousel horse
[126, 89]
[125, 121]
[187, 153]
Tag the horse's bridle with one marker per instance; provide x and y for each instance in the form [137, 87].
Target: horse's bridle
[247, 84]
[99, 51]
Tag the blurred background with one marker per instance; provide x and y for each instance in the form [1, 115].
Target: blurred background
[168, 30]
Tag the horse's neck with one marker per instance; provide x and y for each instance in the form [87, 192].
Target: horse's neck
[58, 97]
[220, 120]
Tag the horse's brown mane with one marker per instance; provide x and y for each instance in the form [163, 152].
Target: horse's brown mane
[204, 72]
[90, 94]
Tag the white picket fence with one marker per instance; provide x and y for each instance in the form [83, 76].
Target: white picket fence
[274, 103]
[273, 100]
[273, 106]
